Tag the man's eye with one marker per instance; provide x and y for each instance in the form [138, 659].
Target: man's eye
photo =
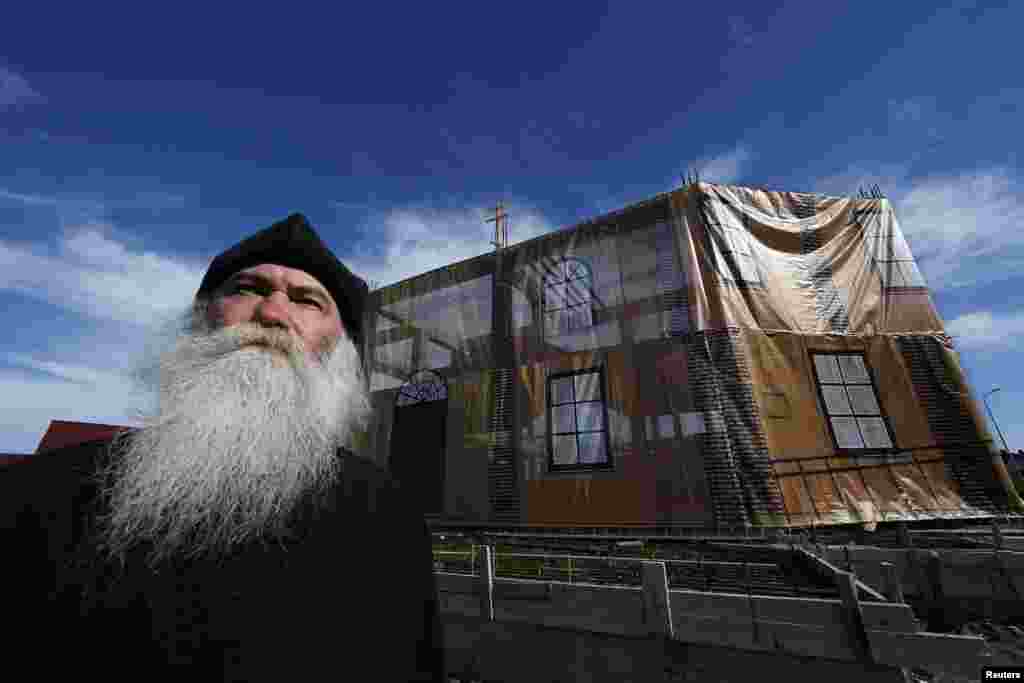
[312, 302]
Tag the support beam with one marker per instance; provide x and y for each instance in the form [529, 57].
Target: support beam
[829, 569]
[853, 618]
[657, 609]
[486, 583]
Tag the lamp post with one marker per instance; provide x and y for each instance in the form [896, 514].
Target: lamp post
[993, 417]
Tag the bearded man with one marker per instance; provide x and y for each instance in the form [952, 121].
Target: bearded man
[235, 536]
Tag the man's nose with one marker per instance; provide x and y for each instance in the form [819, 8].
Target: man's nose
[273, 311]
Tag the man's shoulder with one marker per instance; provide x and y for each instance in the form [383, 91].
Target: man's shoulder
[365, 483]
[360, 467]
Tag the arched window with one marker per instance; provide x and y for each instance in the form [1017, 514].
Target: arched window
[568, 293]
[423, 386]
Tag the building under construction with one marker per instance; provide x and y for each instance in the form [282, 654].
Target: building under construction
[713, 356]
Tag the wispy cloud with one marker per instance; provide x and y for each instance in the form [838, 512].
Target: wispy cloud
[95, 275]
[14, 89]
[963, 228]
[34, 401]
[725, 168]
[983, 330]
[410, 241]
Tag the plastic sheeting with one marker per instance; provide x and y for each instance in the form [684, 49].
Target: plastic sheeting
[694, 317]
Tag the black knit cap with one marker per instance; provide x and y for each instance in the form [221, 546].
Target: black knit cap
[294, 244]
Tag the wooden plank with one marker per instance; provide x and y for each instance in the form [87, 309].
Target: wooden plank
[657, 611]
[715, 631]
[701, 604]
[455, 583]
[853, 619]
[891, 585]
[889, 616]
[831, 569]
[960, 655]
[808, 641]
[486, 585]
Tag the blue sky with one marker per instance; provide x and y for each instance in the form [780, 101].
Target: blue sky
[135, 146]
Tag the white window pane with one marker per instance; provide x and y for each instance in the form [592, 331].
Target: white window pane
[561, 390]
[862, 398]
[666, 427]
[587, 387]
[576, 293]
[592, 448]
[847, 434]
[740, 243]
[554, 297]
[563, 419]
[554, 322]
[578, 318]
[691, 423]
[875, 434]
[589, 416]
[836, 402]
[436, 356]
[898, 248]
[854, 370]
[748, 271]
[892, 274]
[827, 368]
[564, 449]
[574, 269]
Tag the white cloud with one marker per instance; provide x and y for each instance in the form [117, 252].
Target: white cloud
[14, 89]
[408, 242]
[726, 168]
[129, 293]
[985, 330]
[33, 402]
[94, 275]
[963, 228]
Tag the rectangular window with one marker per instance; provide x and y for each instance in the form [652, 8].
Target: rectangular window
[577, 420]
[850, 402]
[733, 248]
[889, 253]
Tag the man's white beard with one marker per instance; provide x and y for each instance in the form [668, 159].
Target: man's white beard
[242, 435]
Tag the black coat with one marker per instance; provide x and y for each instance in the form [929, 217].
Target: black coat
[350, 595]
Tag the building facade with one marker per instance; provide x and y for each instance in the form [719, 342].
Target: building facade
[716, 355]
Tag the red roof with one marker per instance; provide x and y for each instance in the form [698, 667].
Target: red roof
[62, 433]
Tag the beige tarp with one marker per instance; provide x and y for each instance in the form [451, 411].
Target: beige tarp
[633, 293]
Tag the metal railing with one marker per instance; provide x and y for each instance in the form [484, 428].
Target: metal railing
[701, 573]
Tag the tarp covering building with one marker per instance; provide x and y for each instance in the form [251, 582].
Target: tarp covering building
[713, 355]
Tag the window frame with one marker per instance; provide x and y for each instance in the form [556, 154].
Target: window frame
[564, 311]
[725, 257]
[880, 249]
[877, 397]
[598, 370]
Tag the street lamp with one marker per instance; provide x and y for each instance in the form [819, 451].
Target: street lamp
[993, 417]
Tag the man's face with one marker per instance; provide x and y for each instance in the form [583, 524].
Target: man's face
[278, 296]
[255, 395]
